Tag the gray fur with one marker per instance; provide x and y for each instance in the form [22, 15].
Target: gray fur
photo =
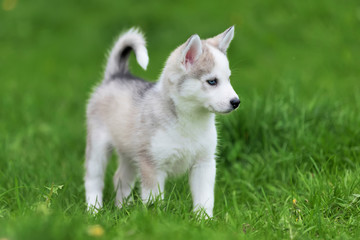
[141, 85]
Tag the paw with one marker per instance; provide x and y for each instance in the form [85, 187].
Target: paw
[202, 213]
[120, 203]
[93, 204]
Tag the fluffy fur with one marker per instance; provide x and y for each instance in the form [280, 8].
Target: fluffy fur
[159, 129]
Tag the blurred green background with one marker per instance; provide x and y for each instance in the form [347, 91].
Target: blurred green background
[295, 66]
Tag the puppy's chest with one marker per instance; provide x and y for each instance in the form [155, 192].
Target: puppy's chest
[175, 150]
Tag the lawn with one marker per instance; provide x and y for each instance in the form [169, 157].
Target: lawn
[288, 161]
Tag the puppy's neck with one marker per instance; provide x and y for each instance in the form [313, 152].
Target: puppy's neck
[185, 110]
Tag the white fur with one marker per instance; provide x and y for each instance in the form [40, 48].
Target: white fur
[163, 130]
[226, 39]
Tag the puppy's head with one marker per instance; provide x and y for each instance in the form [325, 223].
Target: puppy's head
[200, 74]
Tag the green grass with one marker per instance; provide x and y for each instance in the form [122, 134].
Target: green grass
[296, 135]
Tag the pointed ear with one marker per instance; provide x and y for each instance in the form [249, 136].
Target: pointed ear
[222, 41]
[191, 51]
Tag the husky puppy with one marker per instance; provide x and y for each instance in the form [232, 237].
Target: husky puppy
[159, 129]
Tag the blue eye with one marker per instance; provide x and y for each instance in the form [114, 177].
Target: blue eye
[212, 82]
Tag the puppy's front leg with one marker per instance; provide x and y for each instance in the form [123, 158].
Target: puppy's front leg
[202, 182]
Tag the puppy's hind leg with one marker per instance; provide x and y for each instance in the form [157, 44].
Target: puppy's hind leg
[152, 182]
[124, 180]
[97, 151]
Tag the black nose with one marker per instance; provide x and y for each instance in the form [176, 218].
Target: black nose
[235, 102]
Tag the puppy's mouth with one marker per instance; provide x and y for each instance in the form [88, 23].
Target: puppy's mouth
[226, 112]
[212, 110]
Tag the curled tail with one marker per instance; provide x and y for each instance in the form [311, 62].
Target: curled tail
[117, 62]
